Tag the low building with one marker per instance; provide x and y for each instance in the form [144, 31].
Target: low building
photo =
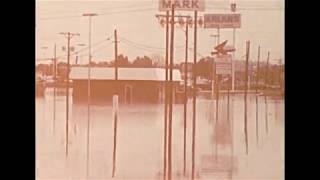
[134, 85]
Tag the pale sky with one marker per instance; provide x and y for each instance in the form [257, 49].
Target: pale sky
[262, 24]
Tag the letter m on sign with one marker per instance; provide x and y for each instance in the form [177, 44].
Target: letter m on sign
[182, 5]
[165, 4]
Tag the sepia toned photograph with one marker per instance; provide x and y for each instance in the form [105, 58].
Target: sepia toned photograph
[159, 89]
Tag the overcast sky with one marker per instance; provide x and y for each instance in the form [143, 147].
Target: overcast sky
[141, 34]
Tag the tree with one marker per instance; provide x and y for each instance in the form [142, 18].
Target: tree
[122, 61]
[204, 68]
[158, 60]
[142, 62]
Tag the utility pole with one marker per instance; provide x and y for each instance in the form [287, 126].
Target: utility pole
[265, 91]
[116, 54]
[170, 96]
[245, 95]
[90, 15]
[115, 118]
[185, 102]
[257, 105]
[194, 95]
[166, 87]
[68, 35]
[166, 100]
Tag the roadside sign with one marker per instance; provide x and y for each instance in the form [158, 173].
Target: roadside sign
[223, 65]
[181, 5]
[222, 20]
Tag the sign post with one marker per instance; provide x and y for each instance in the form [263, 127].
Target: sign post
[218, 21]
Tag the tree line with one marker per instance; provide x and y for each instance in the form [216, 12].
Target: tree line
[204, 68]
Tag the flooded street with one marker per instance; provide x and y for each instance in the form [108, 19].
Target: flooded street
[140, 133]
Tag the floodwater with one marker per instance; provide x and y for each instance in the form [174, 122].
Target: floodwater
[140, 133]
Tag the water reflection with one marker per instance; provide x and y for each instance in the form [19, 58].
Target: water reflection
[140, 139]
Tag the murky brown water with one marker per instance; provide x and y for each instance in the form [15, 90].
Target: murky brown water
[140, 140]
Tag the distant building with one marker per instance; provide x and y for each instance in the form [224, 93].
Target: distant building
[134, 85]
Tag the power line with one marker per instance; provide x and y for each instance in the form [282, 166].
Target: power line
[85, 48]
[142, 48]
[147, 46]
[99, 9]
[101, 14]
[143, 45]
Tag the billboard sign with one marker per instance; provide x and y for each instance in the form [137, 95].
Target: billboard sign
[223, 65]
[222, 21]
[181, 5]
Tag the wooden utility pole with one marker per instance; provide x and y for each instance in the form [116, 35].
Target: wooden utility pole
[194, 95]
[89, 15]
[166, 86]
[166, 100]
[257, 105]
[170, 96]
[116, 54]
[245, 95]
[185, 102]
[68, 35]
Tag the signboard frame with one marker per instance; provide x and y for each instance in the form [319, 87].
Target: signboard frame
[223, 66]
[222, 21]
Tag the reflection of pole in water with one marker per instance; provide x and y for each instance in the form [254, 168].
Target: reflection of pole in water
[115, 104]
[115, 109]
[217, 113]
[245, 95]
[265, 95]
[228, 101]
[232, 147]
[217, 98]
[54, 88]
[257, 105]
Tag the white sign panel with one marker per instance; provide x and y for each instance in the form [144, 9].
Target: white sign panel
[222, 21]
[223, 66]
[182, 5]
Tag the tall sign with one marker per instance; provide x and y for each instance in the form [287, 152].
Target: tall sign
[181, 5]
[222, 20]
[223, 65]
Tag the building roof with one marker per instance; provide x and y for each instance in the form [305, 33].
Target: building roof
[107, 73]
